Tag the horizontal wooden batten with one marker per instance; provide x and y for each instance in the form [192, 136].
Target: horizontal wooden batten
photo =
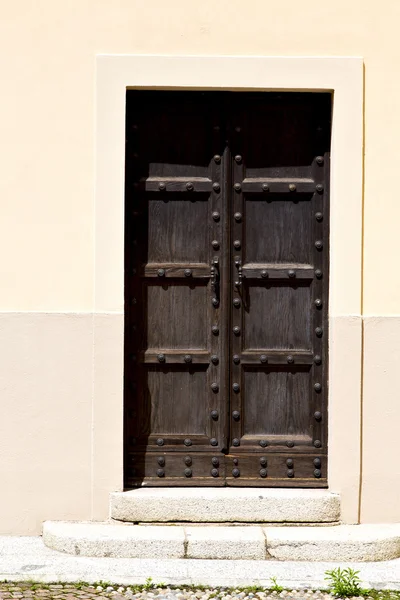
[277, 443]
[178, 481]
[180, 357]
[276, 482]
[176, 184]
[276, 357]
[186, 468]
[177, 271]
[152, 442]
[279, 468]
[290, 272]
[281, 185]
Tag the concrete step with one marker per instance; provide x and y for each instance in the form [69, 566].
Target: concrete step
[331, 543]
[225, 505]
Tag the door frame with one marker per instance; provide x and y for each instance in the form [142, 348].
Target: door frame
[343, 76]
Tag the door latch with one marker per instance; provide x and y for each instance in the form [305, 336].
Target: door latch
[214, 274]
[239, 281]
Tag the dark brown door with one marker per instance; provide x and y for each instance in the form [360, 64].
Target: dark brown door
[227, 225]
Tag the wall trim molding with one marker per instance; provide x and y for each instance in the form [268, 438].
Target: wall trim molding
[344, 77]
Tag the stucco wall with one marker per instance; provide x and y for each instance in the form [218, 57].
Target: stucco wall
[48, 431]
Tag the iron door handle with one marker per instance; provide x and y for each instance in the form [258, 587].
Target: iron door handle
[214, 273]
[214, 276]
[239, 281]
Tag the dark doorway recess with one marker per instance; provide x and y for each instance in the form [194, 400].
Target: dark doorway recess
[226, 288]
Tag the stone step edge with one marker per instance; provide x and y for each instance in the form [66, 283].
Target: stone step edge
[352, 543]
[226, 523]
[217, 505]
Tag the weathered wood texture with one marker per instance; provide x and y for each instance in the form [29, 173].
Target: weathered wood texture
[227, 240]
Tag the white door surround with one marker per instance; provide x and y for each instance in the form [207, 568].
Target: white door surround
[343, 76]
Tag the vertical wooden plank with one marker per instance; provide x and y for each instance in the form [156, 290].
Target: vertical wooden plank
[236, 129]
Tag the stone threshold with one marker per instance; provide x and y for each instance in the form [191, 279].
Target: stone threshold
[336, 543]
[223, 505]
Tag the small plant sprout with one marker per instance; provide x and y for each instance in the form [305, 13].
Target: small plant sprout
[344, 583]
[275, 586]
[149, 585]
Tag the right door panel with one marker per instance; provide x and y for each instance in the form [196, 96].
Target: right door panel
[279, 287]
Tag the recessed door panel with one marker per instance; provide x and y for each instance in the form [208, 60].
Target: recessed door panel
[286, 130]
[277, 404]
[285, 225]
[277, 316]
[178, 229]
[179, 401]
[168, 327]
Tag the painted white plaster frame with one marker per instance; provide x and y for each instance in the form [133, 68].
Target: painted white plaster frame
[341, 75]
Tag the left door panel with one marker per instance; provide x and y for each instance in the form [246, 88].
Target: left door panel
[176, 399]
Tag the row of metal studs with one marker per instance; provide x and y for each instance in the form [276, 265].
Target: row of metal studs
[236, 472]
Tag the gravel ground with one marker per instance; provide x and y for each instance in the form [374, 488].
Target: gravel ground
[32, 591]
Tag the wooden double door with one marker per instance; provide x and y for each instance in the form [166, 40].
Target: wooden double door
[227, 234]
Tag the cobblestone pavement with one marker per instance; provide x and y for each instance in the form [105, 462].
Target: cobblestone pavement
[30, 591]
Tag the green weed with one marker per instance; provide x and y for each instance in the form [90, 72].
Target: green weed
[275, 586]
[345, 583]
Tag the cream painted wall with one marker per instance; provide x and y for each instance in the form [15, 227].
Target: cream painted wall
[48, 49]
[381, 418]
[45, 426]
[47, 154]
